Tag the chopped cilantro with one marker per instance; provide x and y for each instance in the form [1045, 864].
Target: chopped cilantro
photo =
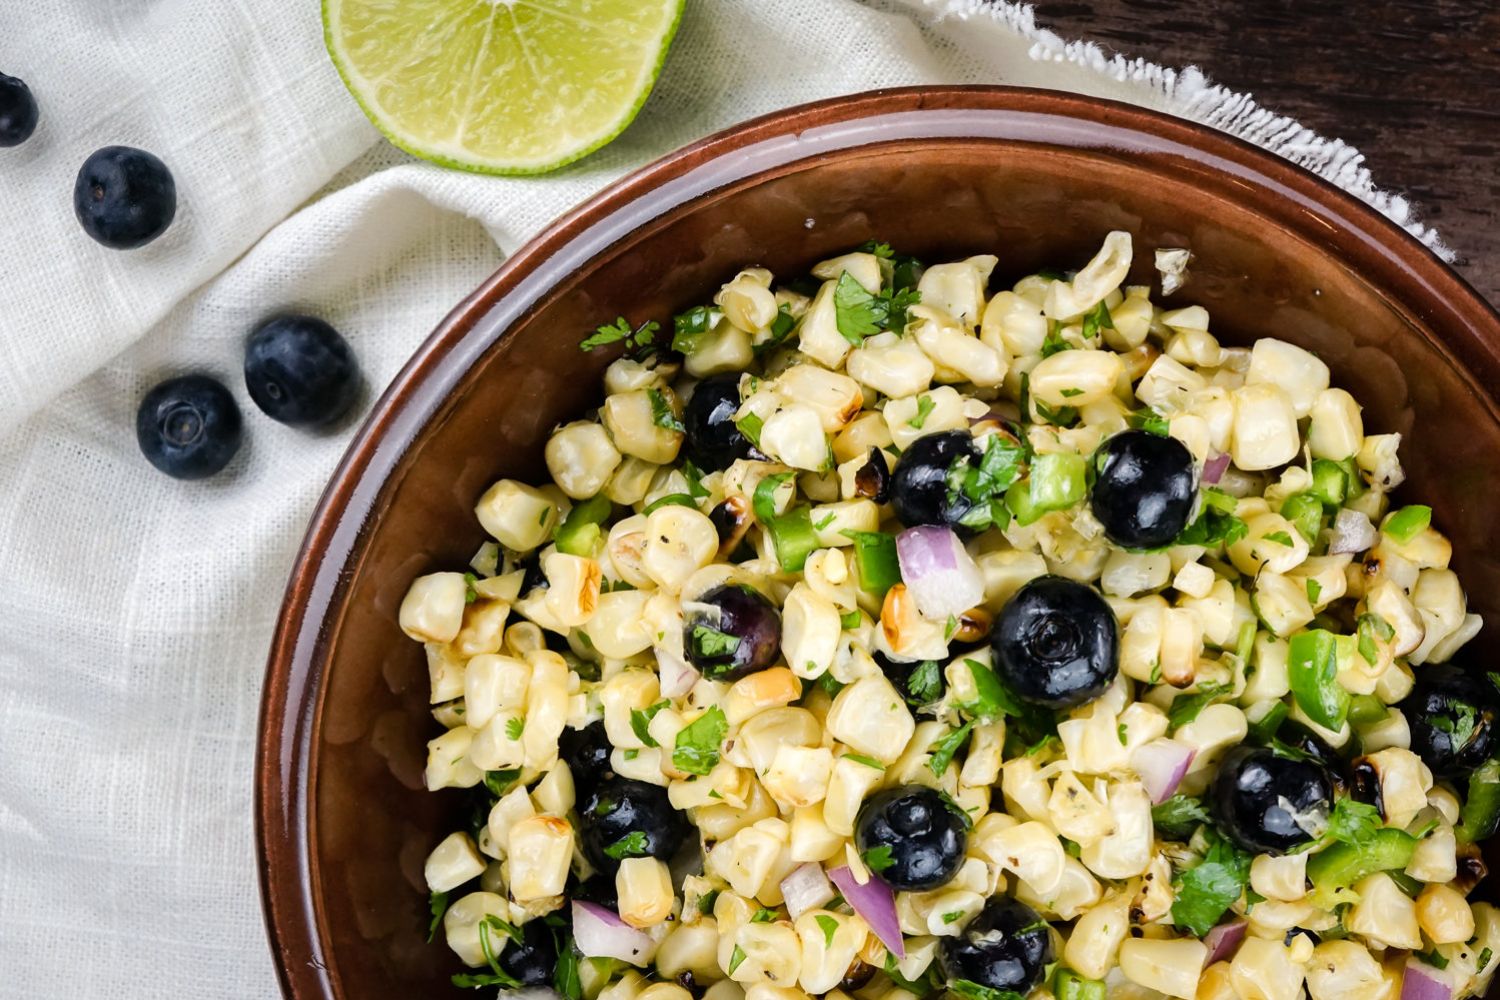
[750, 426]
[621, 330]
[849, 620]
[1217, 523]
[925, 685]
[470, 594]
[1279, 537]
[438, 904]
[1206, 891]
[1353, 823]
[1178, 816]
[736, 958]
[1185, 708]
[710, 641]
[878, 859]
[860, 758]
[688, 328]
[640, 719]
[859, 314]
[632, 845]
[1123, 732]
[1096, 319]
[763, 916]
[697, 749]
[967, 989]
[500, 782]
[829, 926]
[1151, 422]
[1053, 343]
[1371, 628]
[984, 485]
[662, 414]
[925, 405]
[514, 728]
[944, 749]
[1314, 590]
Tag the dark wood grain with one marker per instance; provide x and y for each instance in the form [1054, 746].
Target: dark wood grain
[1413, 84]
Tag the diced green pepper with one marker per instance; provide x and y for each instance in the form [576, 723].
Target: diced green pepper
[875, 560]
[1058, 480]
[1328, 482]
[1069, 985]
[1480, 817]
[1018, 500]
[1312, 666]
[1342, 865]
[579, 533]
[1408, 522]
[763, 503]
[1264, 728]
[793, 536]
[1354, 484]
[1305, 511]
[1365, 709]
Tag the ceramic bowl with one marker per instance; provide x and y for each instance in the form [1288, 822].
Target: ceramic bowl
[1035, 177]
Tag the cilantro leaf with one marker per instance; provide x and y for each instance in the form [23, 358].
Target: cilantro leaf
[621, 331]
[878, 859]
[1185, 708]
[1096, 319]
[1177, 817]
[661, 412]
[944, 749]
[688, 328]
[857, 313]
[438, 903]
[967, 989]
[1217, 524]
[1353, 823]
[925, 405]
[697, 749]
[640, 718]
[860, 758]
[710, 641]
[1205, 892]
[514, 728]
[829, 926]
[925, 685]
[632, 845]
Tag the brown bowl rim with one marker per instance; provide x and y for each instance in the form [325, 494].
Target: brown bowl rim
[1369, 243]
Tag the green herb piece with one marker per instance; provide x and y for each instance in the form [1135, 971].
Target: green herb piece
[1155, 672]
[710, 642]
[697, 749]
[860, 758]
[640, 718]
[1312, 667]
[1352, 822]
[1178, 817]
[875, 560]
[1408, 522]
[829, 926]
[1365, 709]
[1097, 319]
[1305, 511]
[793, 538]
[1206, 891]
[662, 414]
[823, 522]
[1150, 421]
[1431, 958]
[470, 594]
[565, 979]
[736, 958]
[1185, 708]
[1216, 525]
[1123, 732]
[500, 782]
[1264, 728]
[514, 728]
[763, 501]
[950, 627]
[944, 749]
[925, 685]
[1314, 591]
[1372, 629]
[1063, 416]
[579, 533]
[621, 331]
[957, 810]
[967, 989]
[779, 328]
[670, 500]
[1328, 483]
[984, 485]
[991, 698]
[1484, 959]
[953, 916]
[631, 754]
[750, 425]
[694, 477]
[438, 904]
[850, 620]
[1070, 393]
[1069, 985]
[689, 328]
[764, 916]
[632, 845]
[857, 313]
[1479, 819]
[925, 405]
[881, 250]
[1279, 537]
[878, 859]
[830, 683]
[1054, 343]
[706, 901]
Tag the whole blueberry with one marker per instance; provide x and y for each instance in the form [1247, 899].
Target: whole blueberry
[1452, 714]
[1144, 491]
[18, 111]
[188, 427]
[1057, 643]
[300, 371]
[531, 959]
[1261, 800]
[124, 197]
[919, 485]
[919, 836]
[1006, 947]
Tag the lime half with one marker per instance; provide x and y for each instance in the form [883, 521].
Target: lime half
[500, 86]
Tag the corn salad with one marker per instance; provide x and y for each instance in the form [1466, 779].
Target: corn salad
[885, 633]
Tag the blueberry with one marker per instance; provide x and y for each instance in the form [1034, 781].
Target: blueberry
[1056, 643]
[18, 111]
[124, 197]
[188, 427]
[732, 631]
[919, 486]
[1144, 492]
[624, 818]
[531, 959]
[1452, 716]
[920, 837]
[713, 439]
[586, 752]
[1006, 947]
[1264, 802]
[300, 371]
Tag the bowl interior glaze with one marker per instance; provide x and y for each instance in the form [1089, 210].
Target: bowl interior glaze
[1036, 178]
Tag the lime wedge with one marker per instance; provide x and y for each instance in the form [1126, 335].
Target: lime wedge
[500, 86]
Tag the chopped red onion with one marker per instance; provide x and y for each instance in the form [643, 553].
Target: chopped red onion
[1352, 532]
[1422, 982]
[677, 676]
[600, 933]
[1223, 940]
[806, 888]
[1213, 469]
[1162, 764]
[938, 572]
[876, 903]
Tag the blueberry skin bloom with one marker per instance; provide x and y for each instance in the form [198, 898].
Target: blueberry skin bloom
[300, 371]
[124, 197]
[188, 427]
[18, 111]
[1006, 947]
[1056, 643]
[1143, 494]
[923, 837]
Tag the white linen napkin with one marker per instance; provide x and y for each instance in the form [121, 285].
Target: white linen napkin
[135, 611]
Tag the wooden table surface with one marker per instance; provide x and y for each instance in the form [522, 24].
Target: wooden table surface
[1412, 84]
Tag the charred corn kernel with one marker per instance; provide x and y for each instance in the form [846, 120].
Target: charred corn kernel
[871, 718]
[1169, 966]
[618, 628]
[811, 839]
[573, 585]
[793, 435]
[1271, 541]
[830, 942]
[754, 693]
[1296, 372]
[1097, 935]
[771, 953]
[911, 417]
[546, 707]
[848, 783]
[581, 457]
[1282, 877]
[725, 348]
[1031, 850]
[510, 809]
[958, 288]
[1264, 970]
[1076, 813]
[520, 517]
[862, 267]
[645, 891]
[1384, 915]
[766, 732]
[493, 682]
[1216, 983]
[433, 609]
[1129, 573]
[1404, 783]
[1077, 891]
[1013, 325]
[747, 300]
[834, 397]
[1194, 580]
[1168, 385]
[718, 822]
[484, 627]
[1344, 970]
[810, 631]
[1391, 603]
[891, 365]
[1282, 602]
[555, 793]
[1270, 679]
[461, 924]
[1435, 858]
[981, 767]
[1265, 428]
[627, 692]
[818, 333]
[1092, 742]
[1125, 850]
[957, 354]
[1025, 790]
[540, 851]
[1444, 915]
[691, 947]
[452, 863]
[1378, 457]
[798, 776]
[1100, 276]
[678, 542]
[1181, 645]
[1075, 378]
[641, 424]
[448, 764]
